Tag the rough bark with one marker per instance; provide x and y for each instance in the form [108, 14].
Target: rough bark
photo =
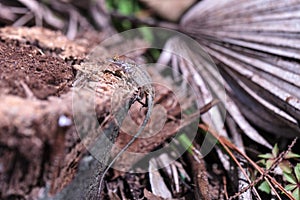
[40, 155]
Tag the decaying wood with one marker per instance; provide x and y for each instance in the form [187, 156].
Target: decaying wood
[40, 154]
[30, 131]
[37, 146]
[37, 149]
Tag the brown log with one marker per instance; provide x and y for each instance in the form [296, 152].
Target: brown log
[40, 156]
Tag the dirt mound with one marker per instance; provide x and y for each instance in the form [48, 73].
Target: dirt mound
[25, 65]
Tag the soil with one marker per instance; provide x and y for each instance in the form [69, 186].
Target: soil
[44, 75]
[35, 65]
[41, 59]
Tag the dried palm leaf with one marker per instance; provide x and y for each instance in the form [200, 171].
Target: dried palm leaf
[162, 8]
[257, 49]
[205, 79]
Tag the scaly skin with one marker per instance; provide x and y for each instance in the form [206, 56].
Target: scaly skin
[141, 79]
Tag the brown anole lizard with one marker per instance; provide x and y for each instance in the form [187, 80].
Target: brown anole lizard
[139, 77]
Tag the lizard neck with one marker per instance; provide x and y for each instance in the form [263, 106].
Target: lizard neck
[150, 101]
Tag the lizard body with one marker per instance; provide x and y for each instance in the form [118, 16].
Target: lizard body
[142, 79]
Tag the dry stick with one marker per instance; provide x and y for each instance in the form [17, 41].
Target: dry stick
[240, 166]
[274, 164]
[149, 22]
[35, 8]
[62, 8]
[100, 16]
[28, 92]
[24, 19]
[201, 111]
[236, 161]
[73, 25]
[278, 160]
[225, 187]
[220, 139]
[225, 142]
[266, 173]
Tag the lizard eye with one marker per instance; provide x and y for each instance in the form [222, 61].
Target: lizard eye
[115, 58]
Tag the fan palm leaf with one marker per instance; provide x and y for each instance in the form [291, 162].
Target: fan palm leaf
[256, 46]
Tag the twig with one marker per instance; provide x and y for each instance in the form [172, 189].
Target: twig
[274, 164]
[227, 144]
[28, 92]
[24, 19]
[148, 22]
[225, 187]
[36, 8]
[72, 28]
[101, 16]
[72, 11]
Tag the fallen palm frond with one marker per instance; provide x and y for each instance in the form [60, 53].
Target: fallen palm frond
[73, 17]
[256, 48]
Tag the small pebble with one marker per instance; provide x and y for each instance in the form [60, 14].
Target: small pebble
[64, 121]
